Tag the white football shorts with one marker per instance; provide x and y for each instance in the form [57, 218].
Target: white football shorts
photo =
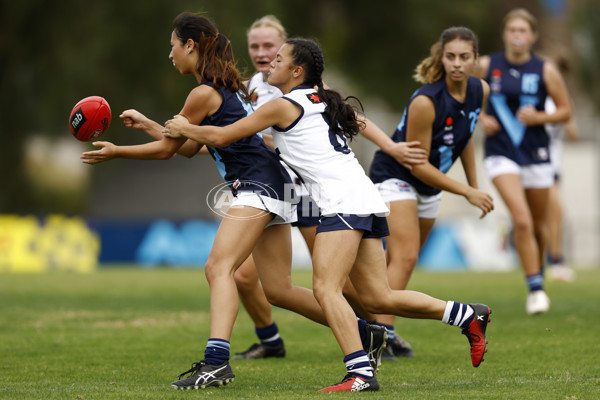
[535, 176]
[397, 190]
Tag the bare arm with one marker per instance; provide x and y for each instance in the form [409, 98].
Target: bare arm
[157, 150]
[421, 116]
[467, 159]
[572, 129]
[278, 112]
[405, 153]
[268, 139]
[482, 67]
[197, 105]
[467, 156]
[557, 89]
[489, 124]
[136, 120]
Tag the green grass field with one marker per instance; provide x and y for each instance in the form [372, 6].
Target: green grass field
[126, 333]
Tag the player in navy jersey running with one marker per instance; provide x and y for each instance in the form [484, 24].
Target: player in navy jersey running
[441, 115]
[517, 157]
[311, 131]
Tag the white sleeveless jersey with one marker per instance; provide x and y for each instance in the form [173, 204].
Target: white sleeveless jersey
[263, 93]
[330, 171]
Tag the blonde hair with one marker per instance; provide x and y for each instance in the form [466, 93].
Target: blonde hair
[269, 21]
[523, 14]
[431, 69]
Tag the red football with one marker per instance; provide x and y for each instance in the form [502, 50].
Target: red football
[90, 118]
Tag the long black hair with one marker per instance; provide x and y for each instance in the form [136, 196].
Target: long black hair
[216, 63]
[342, 116]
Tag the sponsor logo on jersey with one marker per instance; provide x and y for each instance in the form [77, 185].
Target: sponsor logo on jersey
[314, 98]
[449, 124]
[542, 153]
[403, 186]
[448, 138]
[496, 79]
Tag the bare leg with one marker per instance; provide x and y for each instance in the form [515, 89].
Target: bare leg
[235, 239]
[273, 258]
[537, 200]
[333, 256]
[252, 295]
[309, 233]
[408, 234]
[369, 276]
[510, 188]
[555, 219]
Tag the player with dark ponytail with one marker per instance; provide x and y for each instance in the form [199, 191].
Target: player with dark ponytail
[216, 63]
[342, 116]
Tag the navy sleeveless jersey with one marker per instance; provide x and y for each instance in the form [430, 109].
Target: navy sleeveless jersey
[511, 87]
[247, 164]
[451, 131]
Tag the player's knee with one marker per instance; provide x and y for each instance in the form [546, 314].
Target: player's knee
[375, 304]
[209, 272]
[322, 291]
[276, 296]
[522, 225]
[404, 262]
[243, 281]
[213, 270]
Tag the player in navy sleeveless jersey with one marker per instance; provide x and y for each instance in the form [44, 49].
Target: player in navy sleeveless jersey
[517, 156]
[442, 115]
[311, 130]
[250, 168]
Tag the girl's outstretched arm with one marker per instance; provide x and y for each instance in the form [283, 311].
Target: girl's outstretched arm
[278, 112]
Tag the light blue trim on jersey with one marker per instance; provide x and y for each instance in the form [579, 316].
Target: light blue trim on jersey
[218, 162]
[528, 100]
[445, 157]
[249, 110]
[247, 106]
[402, 121]
[514, 128]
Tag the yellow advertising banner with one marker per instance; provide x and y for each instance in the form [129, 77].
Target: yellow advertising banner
[58, 243]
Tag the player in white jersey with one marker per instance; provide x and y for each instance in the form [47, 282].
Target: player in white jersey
[265, 36]
[311, 132]
[334, 179]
